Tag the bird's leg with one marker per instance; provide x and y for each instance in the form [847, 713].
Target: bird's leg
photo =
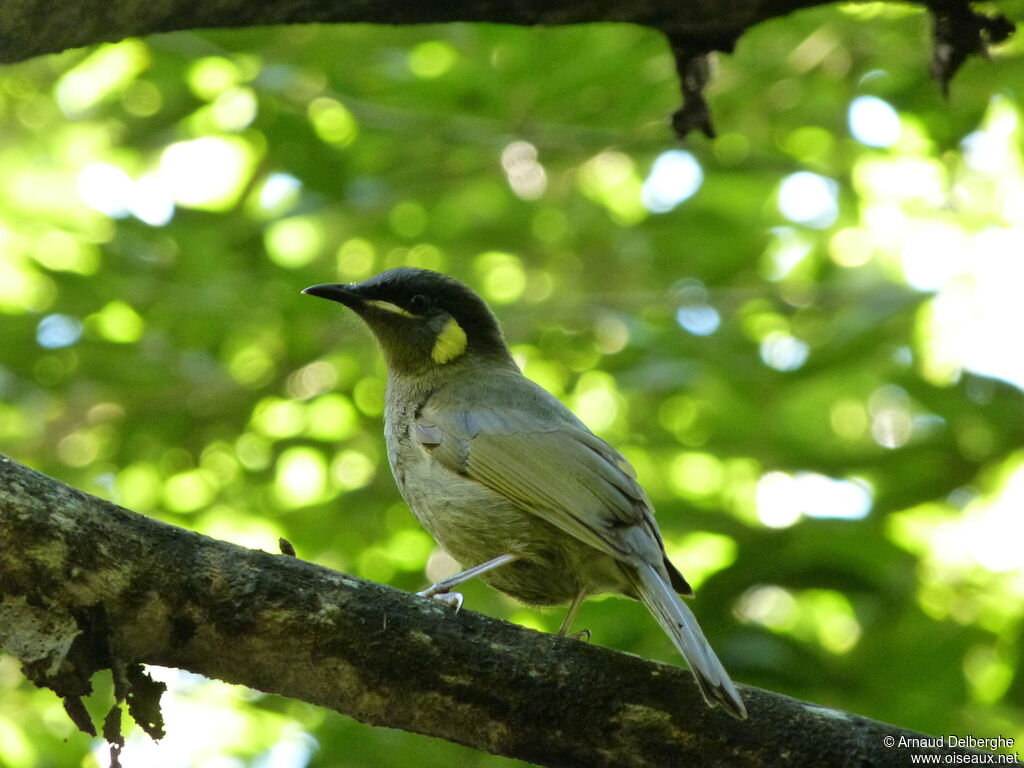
[570, 615]
[439, 591]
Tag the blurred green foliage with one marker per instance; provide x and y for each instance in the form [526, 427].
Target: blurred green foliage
[802, 357]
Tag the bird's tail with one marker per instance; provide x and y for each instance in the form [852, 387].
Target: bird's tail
[678, 621]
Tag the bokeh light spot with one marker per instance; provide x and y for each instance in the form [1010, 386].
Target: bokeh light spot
[408, 219]
[105, 188]
[352, 470]
[596, 400]
[61, 251]
[695, 475]
[56, 331]
[820, 616]
[783, 352]
[431, 59]
[332, 122]
[695, 315]
[355, 259]
[851, 247]
[279, 192]
[101, 75]
[209, 77]
[675, 176]
[253, 451]
[409, 548]
[891, 418]
[234, 109]
[610, 179]
[874, 122]
[117, 322]
[294, 242]
[331, 417]
[783, 498]
[150, 201]
[503, 277]
[139, 486]
[368, 395]
[809, 199]
[301, 476]
[188, 491]
[209, 172]
[526, 176]
[279, 418]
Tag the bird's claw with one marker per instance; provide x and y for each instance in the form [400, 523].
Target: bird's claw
[451, 599]
[583, 635]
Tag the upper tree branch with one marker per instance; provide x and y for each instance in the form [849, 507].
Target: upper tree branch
[693, 27]
[33, 27]
[86, 585]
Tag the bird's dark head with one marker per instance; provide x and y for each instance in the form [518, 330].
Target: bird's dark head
[423, 320]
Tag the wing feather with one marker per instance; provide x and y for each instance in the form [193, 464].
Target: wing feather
[554, 467]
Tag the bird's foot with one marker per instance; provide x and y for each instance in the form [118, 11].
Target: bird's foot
[451, 599]
[583, 635]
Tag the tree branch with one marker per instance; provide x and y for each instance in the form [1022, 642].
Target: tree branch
[693, 27]
[32, 27]
[87, 585]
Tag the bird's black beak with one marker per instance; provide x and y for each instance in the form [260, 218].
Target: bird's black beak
[339, 292]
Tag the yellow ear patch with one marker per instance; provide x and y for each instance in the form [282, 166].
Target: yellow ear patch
[450, 342]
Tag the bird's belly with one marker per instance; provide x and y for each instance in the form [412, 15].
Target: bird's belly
[475, 524]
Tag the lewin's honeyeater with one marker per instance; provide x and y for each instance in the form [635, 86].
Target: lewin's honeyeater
[504, 476]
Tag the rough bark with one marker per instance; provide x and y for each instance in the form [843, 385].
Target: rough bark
[33, 27]
[87, 585]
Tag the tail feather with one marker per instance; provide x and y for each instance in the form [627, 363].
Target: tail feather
[678, 621]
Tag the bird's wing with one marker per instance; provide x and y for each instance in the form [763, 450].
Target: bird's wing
[547, 462]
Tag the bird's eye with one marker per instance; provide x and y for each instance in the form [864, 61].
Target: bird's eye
[419, 304]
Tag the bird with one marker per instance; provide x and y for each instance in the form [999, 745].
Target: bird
[505, 477]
